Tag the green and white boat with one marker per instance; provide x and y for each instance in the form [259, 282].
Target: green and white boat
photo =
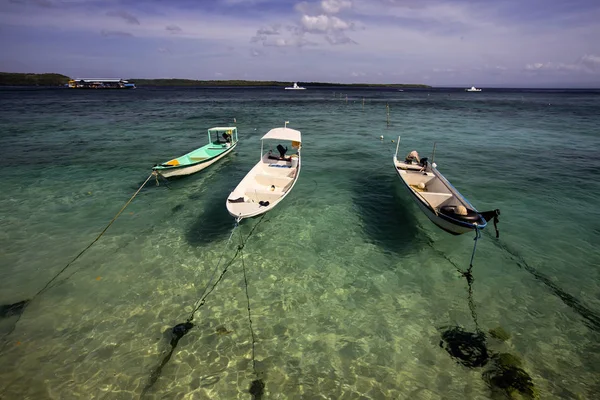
[221, 141]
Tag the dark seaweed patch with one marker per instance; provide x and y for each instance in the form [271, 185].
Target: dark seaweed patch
[9, 310]
[506, 375]
[467, 348]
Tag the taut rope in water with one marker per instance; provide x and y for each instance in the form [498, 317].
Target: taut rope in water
[179, 330]
[591, 318]
[23, 304]
[257, 386]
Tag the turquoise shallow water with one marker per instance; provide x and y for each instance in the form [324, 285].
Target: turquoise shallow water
[350, 284]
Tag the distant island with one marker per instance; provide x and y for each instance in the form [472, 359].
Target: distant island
[19, 79]
[191, 82]
[50, 79]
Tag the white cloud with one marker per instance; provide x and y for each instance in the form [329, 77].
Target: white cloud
[590, 61]
[272, 30]
[335, 6]
[218, 74]
[323, 23]
[587, 63]
[336, 38]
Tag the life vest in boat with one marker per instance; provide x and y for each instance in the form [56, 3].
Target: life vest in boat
[454, 212]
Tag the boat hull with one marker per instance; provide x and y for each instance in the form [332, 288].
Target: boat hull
[444, 222]
[254, 209]
[193, 168]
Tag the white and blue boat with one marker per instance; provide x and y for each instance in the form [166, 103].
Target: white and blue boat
[436, 197]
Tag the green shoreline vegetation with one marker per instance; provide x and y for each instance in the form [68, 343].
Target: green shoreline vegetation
[25, 79]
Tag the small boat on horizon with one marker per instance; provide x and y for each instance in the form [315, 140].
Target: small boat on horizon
[270, 180]
[295, 87]
[221, 141]
[473, 89]
[435, 195]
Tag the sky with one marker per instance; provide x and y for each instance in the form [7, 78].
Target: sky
[486, 43]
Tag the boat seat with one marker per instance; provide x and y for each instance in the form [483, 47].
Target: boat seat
[197, 158]
[263, 195]
[435, 199]
[277, 180]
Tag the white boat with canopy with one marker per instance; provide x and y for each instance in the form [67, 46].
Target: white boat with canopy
[271, 179]
[473, 89]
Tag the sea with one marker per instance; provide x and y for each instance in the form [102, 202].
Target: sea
[345, 290]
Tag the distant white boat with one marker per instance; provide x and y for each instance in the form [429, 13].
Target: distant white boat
[295, 87]
[473, 89]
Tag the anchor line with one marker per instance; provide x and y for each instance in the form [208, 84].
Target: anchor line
[202, 300]
[257, 386]
[50, 284]
[182, 329]
[199, 303]
[591, 317]
[248, 302]
[468, 275]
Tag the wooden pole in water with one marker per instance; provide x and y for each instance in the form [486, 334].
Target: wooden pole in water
[387, 109]
[346, 99]
[363, 102]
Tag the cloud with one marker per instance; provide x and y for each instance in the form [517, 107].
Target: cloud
[587, 63]
[323, 23]
[337, 38]
[335, 6]
[164, 50]
[39, 3]
[107, 33]
[272, 37]
[590, 61]
[256, 53]
[173, 29]
[273, 30]
[218, 74]
[293, 41]
[124, 15]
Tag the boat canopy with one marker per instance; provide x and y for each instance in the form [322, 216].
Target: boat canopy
[222, 128]
[283, 134]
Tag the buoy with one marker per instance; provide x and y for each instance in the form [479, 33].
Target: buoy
[392, 140]
[381, 137]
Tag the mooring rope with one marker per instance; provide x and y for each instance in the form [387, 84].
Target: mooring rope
[179, 330]
[49, 284]
[591, 318]
[199, 303]
[257, 386]
[468, 275]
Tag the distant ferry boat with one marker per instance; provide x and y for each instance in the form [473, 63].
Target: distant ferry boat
[473, 89]
[295, 87]
[100, 84]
